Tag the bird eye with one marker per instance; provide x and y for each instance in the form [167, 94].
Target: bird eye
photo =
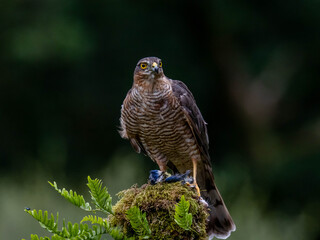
[160, 64]
[143, 66]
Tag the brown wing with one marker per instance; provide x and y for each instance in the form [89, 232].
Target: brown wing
[220, 222]
[193, 116]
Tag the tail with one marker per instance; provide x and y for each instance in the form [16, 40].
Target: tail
[220, 223]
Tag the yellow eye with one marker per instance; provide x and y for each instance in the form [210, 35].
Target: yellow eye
[143, 65]
[160, 64]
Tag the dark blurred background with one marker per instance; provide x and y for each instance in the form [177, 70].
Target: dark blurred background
[253, 67]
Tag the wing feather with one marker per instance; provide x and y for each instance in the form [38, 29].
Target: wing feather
[193, 116]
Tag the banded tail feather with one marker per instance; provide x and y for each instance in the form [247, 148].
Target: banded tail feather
[220, 224]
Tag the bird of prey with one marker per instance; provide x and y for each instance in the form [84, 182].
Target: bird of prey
[160, 118]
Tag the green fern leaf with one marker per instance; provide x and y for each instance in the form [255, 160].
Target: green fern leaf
[35, 237]
[100, 196]
[95, 220]
[117, 234]
[114, 232]
[69, 231]
[139, 222]
[56, 237]
[72, 197]
[48, 223]
[182, 216]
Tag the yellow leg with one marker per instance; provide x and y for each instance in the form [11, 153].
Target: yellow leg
[194, 162]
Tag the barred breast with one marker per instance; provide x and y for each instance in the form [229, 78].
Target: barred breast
[157, 120]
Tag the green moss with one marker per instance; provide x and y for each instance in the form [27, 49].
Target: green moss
[158, 202]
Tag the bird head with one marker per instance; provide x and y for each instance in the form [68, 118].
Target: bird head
[149, 68]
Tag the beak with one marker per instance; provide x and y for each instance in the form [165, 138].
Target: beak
[155, 67]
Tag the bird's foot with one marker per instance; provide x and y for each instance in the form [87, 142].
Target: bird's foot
[195, 185]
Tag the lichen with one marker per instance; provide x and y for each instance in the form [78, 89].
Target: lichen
[158, 202]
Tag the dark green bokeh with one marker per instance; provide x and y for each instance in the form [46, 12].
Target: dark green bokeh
[253, 68]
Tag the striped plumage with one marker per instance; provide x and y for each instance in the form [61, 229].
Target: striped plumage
[160, 118]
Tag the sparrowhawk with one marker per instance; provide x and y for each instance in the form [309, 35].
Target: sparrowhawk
[160, 118]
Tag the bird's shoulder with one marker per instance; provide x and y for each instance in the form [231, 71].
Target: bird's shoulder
[186, 100]
[181, 90]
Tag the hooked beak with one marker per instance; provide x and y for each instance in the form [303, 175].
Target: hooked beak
[155, 67]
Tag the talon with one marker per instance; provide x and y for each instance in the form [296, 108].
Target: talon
[197, 188]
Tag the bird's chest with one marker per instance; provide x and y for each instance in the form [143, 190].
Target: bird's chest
[158, 113]
[156, 116]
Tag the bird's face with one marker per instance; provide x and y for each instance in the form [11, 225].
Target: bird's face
[149, 68]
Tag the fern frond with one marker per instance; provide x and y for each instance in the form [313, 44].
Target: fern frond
[48, 223]
[69, 231]
[182, 216]
[114, 232]
[117, 234]
[95, 220]
[35, 237]
[139, 222]
[81, 231]
[72, 197]
[54, 237]
[100, 196]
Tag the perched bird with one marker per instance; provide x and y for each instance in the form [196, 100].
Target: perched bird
[160, 118]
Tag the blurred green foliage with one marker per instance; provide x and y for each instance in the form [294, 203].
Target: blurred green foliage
[253, 67]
